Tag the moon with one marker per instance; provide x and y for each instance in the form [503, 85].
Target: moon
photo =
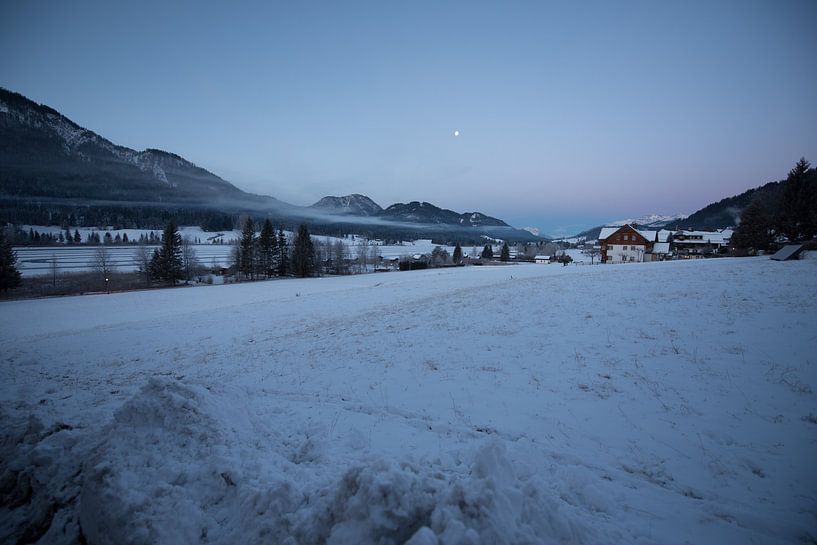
[456, 133]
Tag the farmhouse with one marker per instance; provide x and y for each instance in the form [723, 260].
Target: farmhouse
[626, 244]
[542, 259]
[697, 244]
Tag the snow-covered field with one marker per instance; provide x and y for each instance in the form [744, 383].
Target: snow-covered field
[649, 403]
[37, 260]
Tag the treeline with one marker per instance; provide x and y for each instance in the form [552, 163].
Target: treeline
[793, 219]
[18, 212]
[32, 237]
[155, 217]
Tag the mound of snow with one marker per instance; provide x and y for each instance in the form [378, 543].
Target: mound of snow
[40, 472]
[180, 463]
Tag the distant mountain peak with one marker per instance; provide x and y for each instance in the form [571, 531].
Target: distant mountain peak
[649, 220]
[425, 212]
[44, 156]
[40, 142]
[355, 204]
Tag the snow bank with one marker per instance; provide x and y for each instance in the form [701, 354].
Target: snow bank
[40, 472]
[177, 465]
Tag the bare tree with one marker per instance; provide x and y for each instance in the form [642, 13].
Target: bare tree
[592, 252]
[363, 256]
[52, 266]
[374, 255]
[340, 257]
[104, 265]
[320, 256]
[190, 262]
[143, 255]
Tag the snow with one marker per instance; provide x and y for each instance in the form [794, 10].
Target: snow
[36, 260]
[651, 220]
[669, 402]
[607, 231]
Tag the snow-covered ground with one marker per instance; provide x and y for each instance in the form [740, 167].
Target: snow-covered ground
[37, 260]
[651, 403]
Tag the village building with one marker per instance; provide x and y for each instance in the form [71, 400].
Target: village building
[690, 244]
[626, 244]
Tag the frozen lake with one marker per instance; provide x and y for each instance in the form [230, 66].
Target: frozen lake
[36, 260]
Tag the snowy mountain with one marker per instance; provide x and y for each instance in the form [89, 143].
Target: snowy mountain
[424, 212]
[650, 220]
[356, 204]
[49, 160]
[45, 154]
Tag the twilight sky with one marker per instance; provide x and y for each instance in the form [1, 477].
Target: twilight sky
[570, 113]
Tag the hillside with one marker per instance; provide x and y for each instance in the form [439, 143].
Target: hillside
[423, 212]
[718, 215]
[53, 171]
[726, 212]
[45, 154]
[354, 204]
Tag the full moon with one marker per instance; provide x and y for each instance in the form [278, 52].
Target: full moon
[456, 133]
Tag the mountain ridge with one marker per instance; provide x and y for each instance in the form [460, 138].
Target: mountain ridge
[48, 159]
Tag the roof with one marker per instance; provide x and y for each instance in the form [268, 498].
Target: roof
[660, 248]
[663, 235]
[541, 257]
[707, 237]
[606, 232]
[789, 251]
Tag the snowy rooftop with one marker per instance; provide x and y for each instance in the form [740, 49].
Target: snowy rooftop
[606, 232]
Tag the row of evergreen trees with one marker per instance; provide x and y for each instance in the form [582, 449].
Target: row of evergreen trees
[796, 221]
[263, 256]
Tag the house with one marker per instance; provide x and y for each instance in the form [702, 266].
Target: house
[626, 244]
[661, 251]
[690, 244]
[542, 259]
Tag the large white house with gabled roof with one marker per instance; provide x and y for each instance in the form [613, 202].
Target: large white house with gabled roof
[626, 244]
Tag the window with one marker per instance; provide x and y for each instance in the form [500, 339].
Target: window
[626, 237]
[624, 248]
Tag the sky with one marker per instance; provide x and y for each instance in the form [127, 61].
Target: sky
[571, 114]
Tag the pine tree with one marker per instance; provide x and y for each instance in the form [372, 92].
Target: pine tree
[246, 265]
[505, 255]
[77, 238]
[167, 264]
[283, 253]
[266, 249]
[755, 229]
[303, 253]
[487, 252]
[9, 275]
[798, 214]
[457, 253]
